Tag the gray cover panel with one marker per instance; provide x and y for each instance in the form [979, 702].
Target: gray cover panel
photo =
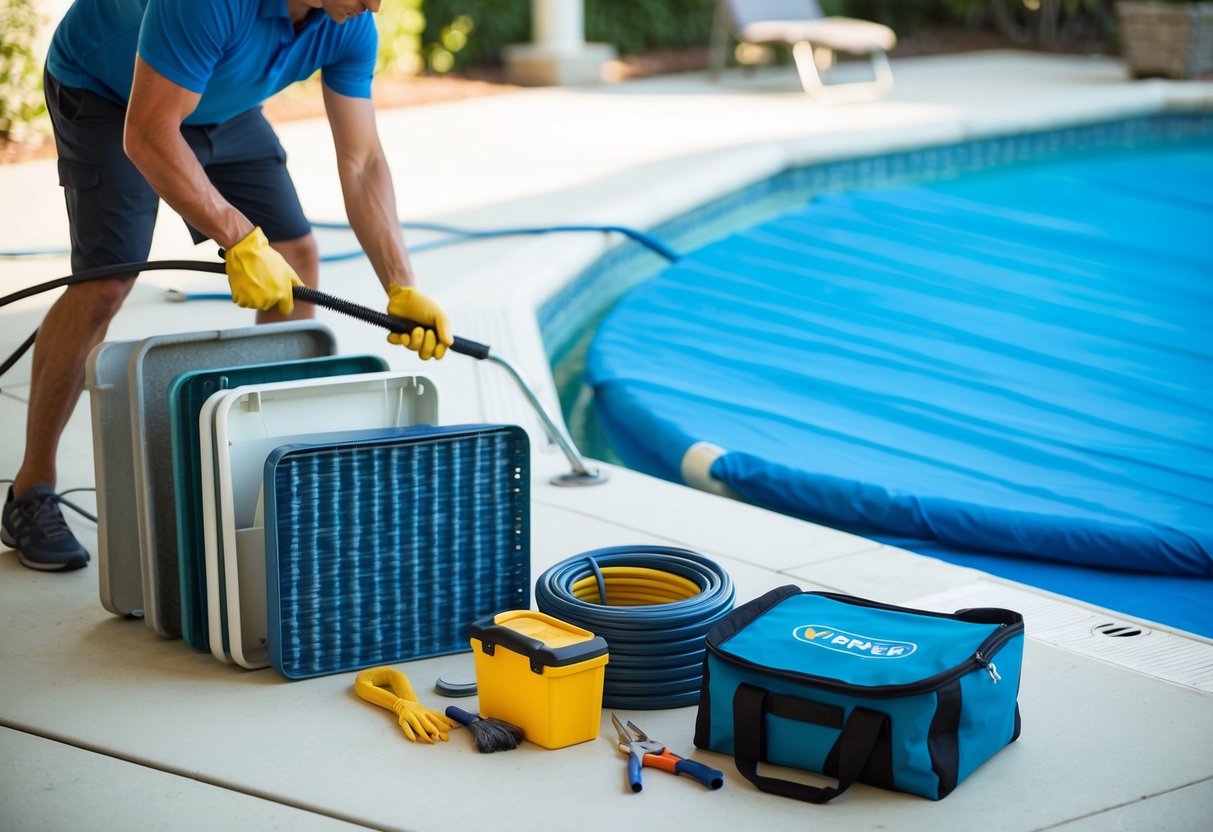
[118, 562]
[153, 366]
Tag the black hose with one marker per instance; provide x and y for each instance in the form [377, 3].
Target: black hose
[97, 273]
[581, 474]
[117, 270]
[463, 346]
[20, 351]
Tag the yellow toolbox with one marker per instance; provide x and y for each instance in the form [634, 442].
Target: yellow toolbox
[541, 674]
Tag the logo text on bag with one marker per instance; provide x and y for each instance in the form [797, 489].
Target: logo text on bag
[841, 641]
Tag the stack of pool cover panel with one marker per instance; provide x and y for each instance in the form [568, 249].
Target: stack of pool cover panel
[186, 397]
[382, 536]
[238, 429]
[128, 384]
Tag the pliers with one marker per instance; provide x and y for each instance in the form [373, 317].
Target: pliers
[643, 751]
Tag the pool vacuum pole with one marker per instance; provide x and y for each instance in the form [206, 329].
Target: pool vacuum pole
[581, 473]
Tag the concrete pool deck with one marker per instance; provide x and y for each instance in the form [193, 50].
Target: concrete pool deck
[104, 724]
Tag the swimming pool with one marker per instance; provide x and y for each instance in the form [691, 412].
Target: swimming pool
[785, 423]
[569, 319]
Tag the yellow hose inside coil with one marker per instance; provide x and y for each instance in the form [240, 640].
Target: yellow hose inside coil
[635, 586]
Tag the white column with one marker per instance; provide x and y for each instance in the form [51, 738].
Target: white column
[558, 55]
[558, 24]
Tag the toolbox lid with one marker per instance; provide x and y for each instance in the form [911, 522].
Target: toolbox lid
[546, 641]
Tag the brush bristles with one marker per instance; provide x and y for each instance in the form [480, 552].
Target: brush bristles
[488, 735]
[494, 735]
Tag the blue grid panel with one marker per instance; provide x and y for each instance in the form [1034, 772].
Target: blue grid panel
[387, 551]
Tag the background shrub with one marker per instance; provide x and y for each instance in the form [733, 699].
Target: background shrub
[445, 35]
[21, 102]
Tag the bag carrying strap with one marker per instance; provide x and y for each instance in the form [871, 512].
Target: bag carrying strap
[858, 739]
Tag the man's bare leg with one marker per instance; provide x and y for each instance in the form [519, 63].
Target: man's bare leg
[75, 323]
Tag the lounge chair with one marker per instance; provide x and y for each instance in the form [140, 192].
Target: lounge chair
[813, 36]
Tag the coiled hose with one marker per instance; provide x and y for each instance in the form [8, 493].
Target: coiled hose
[654, 605]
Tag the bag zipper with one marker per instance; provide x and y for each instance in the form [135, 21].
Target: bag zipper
[988, 665]
[981, 658]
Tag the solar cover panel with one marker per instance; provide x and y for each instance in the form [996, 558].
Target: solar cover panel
[383, 547]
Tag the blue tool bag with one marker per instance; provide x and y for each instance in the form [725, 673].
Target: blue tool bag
[860, 691]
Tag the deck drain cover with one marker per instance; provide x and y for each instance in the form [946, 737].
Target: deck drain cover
[1113, 630]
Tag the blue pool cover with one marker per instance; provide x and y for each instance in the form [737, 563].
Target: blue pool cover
[1009, 370]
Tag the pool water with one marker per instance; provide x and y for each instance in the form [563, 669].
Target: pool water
[853, 249]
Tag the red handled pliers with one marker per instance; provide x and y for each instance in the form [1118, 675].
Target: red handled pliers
[643, 751]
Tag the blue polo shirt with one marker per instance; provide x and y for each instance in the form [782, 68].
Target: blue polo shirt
[235, 53]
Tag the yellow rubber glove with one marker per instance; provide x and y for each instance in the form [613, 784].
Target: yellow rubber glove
[429, 340]
[417, 721]
[260, 278]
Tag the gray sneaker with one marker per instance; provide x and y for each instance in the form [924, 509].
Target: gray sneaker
[34, 526]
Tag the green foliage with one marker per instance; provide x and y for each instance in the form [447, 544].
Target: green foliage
[635, 26]
[489, 25]
[459, 34]
[907, 17]
[21, 100]
[441, 35]
[400, 24]
[1047, 23]
[1050, 23]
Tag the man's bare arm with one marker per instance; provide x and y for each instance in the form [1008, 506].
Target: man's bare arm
[366, 182]
[154, 143]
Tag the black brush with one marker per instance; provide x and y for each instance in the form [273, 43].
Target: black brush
[489, 734]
